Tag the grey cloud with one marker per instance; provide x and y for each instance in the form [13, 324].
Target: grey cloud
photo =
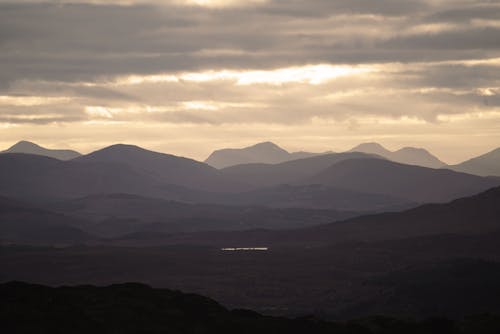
[466, 39]
[485, 11]
[82, 42]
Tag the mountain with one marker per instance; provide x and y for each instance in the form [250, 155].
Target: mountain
[406, 155]
[413, 183]
[484, 165]
[32, 148]
[265, 175]
[22, 223]
[265, 152]
[165, 168]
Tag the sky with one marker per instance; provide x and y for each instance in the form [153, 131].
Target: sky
[187, 77]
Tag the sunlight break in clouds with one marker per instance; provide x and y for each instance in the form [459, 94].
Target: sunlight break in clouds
[311, 74]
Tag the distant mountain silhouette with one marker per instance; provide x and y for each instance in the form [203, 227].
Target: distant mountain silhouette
[32, 148]
[165, 168]
[265, 175]
[484, 165]
[22, 223]
[413, 183]
[406, 155]
[265, 152]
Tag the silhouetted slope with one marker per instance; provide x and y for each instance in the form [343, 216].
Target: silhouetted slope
[20, 222]
[315, 196]
[32, 148]
[117, 214]
[405, 181]
[137, 308]
[266, 152]
[165, 168]
[485, 165]
[265, 175]
[469, 216]
[406, 155]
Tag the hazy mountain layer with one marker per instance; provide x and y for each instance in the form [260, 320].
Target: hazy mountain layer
[484, 165]
[413, 183]
[32, 148]
[405, 155]
[267, 152]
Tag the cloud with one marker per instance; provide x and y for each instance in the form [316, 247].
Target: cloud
[281, 69]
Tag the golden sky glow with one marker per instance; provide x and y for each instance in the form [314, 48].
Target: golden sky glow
[188, 77]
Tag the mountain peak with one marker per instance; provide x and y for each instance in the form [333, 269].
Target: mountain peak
[267, 145]
[28, 147]
[24, 144]
[372, 147]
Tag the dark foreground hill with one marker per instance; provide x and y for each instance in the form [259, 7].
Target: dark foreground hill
[137, 308]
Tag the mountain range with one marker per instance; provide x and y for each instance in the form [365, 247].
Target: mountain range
[269, 153]
[130, 169]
